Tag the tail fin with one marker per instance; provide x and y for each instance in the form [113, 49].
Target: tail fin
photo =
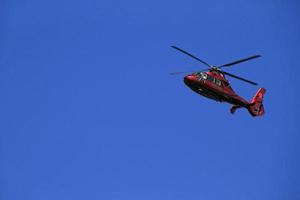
[256, 108]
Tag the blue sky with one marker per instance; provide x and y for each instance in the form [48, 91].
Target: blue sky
[89, 111]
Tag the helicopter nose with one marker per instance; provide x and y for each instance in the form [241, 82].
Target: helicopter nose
[189, 78]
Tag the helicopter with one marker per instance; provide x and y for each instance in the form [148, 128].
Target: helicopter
[212, 83]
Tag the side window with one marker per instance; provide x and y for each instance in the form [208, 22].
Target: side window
[218, 82]
[210, 78]
[214, 80]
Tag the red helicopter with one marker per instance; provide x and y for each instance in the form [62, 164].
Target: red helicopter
[211, 83]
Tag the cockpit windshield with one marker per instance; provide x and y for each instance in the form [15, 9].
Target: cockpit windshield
[201, 75]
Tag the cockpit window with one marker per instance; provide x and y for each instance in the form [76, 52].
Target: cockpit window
[201, 75]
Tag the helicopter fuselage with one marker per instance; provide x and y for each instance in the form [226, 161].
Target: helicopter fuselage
[213, 85]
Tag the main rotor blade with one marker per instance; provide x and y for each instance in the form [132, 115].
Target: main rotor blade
[176, 73]
[183, 51]
[237, 77]
[239, 61]
[190, 72]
